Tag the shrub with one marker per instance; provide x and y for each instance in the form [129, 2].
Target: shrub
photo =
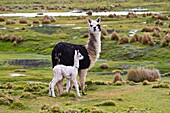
[134, 38]
[156, 33]
[141, 74]
[102, 37]
[2, 18]
[46, 21]
[167, 37]
[86, 35]
[23, 21]
[104, 31]
[162, 17]
[147, 29]
[117, 77]
[164, 43]
[107, 103]
[36, 22]
[9, 22]
[114, 36]
[123, 40]
[104, 66]
[159, 22]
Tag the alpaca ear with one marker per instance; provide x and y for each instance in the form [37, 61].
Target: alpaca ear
[98, 19]
[89, 20]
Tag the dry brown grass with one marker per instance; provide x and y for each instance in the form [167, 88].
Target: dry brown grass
[46, 21]
[167, 37]
[2, 18]
[23, 21]
[36, 22]
[117, 77]
[147, 29]
[114, 36]
[162, 17]
[156, 33]
[123, 40]
[104, 66]
[104, 31]
[141, 74]
[159, 22]
[8, 21]
[134, 38]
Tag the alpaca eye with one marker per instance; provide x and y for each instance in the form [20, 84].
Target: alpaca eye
[91, 26]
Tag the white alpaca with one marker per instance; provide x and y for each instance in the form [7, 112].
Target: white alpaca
[69, 72]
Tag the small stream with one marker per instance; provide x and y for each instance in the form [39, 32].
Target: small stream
[70, 14]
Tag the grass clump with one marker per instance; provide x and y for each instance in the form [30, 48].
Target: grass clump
[100, 83]
[68, 95]
[107, 103]
[161, 86]
[6, 100]
[28, 95]
[118, 83]
[146, 82]
[18, 105]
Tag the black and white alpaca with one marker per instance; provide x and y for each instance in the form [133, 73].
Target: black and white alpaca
[68, 72]
[63, 53]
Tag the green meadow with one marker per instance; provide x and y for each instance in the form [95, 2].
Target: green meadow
[30, 57]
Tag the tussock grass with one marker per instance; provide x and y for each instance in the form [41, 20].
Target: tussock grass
[141, 74]
[107, 103]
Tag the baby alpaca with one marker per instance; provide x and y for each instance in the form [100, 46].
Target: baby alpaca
[69, 72]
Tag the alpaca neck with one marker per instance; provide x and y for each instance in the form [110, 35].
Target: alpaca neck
[94, 46]
[76, 63]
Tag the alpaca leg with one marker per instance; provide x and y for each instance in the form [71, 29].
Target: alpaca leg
[82, 78]
[68, 86]
[76, 86]
[51, 86]
[60, 87]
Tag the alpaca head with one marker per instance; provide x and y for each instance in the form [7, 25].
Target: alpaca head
[78, 55]
[94, 25]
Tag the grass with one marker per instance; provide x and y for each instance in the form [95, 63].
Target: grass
[39, 42]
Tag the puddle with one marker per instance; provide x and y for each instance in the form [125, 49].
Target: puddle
[17, 74]
[137, 9]
[78, 27]
[132, 32]
[74, 14]
[3, 28]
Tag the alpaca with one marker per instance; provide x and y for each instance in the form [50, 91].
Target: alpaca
[63, 52]
[69, 72]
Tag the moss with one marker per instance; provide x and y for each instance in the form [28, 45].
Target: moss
[107, 103]
[18, 105]
[100, 83]
[68, 95]
[6, 100]
[118, 83]
[161, 86]
[28, 95]
[146, 82]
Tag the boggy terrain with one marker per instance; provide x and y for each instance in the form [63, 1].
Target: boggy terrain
[130, 44]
